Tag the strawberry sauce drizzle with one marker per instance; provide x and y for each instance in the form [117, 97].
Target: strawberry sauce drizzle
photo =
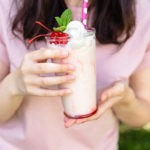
[81, 116]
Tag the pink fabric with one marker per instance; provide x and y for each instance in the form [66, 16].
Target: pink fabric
[39, 124]
[3, 53]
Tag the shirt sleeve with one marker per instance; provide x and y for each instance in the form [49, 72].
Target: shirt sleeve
[135, 53]
[3, 50]
[145, 63]
[3, 53]
[142, 46]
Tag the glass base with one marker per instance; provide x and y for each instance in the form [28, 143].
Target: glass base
[81, 116]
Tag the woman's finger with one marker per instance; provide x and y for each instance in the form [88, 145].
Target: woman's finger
[103, 107]
[45, 53]
[116, 89]
[69, 122]
[66, 119]
[39, 68]
[37, 91]
[48, 81]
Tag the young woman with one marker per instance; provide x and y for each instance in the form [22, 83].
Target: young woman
[31, 117]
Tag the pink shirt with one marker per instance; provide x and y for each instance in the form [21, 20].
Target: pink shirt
[38, 124]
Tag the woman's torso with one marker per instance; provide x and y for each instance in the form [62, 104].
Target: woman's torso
[39, 124]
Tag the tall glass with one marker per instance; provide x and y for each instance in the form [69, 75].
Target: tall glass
[82, 102]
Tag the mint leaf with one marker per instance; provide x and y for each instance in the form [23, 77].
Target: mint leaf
[66, 17]
[59, 21]
[63, 21]
[60, 29]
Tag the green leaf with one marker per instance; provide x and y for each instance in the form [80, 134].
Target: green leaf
[60, 29]
[59, 21]
[66, 17]
[63, 21]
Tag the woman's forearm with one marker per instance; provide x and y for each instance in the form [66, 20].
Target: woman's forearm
[134, 114]
[10, 99]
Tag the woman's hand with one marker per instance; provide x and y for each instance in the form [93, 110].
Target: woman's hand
[118, 93]
[29, 81]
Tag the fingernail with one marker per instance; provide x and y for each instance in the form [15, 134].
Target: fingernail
[66, 125]
[68, 91]
[104, 97]
[70, 78]
[65, 53]
[71, 67]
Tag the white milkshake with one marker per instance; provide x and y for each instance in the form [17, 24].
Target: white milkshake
[81, 46]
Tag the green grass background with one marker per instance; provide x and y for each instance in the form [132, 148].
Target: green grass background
[134, 139]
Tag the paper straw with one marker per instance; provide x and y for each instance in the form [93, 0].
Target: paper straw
[84, 13]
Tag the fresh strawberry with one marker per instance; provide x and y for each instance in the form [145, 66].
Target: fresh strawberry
[65, 38]
[59, 38]
[65, 35]
[53, 37]
[54, 34]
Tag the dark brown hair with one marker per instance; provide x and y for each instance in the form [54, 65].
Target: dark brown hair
[112, 18]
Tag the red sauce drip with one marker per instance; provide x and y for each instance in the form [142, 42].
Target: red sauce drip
[81, 116]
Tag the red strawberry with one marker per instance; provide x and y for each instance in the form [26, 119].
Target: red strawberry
[54, 34]
[59, 38]
[64, 37]
[53, 37]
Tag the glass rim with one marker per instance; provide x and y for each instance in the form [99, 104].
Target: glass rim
[91, 29]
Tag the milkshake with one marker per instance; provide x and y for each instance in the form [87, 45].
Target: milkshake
[80, 43]
[81, 46]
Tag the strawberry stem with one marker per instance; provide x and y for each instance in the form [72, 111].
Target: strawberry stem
[30, 41]
[43, 26]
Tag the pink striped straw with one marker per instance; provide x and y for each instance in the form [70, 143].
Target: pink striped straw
[84, 13]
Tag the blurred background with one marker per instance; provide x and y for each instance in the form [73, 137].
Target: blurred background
[134, 139]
